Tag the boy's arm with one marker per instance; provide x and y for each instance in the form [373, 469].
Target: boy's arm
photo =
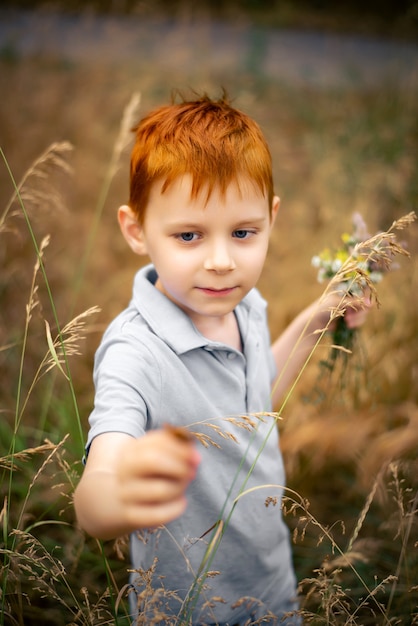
[290, 352]
[130, 483]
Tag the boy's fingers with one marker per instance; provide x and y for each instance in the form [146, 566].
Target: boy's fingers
[179, 432]
[355, 319]
[155, 515]
[357, 312]
[158, 461]
[152, 491]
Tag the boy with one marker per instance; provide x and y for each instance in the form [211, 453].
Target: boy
[192, 351]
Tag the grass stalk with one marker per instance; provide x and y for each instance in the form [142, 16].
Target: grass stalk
[50, 297]
[18, 414]
[405, 532]
[118, 147]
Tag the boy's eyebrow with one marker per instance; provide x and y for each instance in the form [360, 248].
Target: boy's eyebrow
[184, 225]
[254, 220]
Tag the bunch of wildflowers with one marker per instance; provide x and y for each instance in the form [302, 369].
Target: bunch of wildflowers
[355, 268]
[366, 257]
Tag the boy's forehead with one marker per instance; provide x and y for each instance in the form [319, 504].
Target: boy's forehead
[204, 188]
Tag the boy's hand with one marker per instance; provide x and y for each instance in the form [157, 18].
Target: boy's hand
[356, 307]
[357, 311]
[153, 474]
[129, 484]
[315, 318]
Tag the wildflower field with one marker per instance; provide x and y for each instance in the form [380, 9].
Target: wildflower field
[349, 432]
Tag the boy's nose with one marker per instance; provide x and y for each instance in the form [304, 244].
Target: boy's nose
[219, 258]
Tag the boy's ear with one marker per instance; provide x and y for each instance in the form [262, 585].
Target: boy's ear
[132, 230]
[275, 205]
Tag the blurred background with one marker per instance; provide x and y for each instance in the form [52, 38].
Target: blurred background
[334, 87]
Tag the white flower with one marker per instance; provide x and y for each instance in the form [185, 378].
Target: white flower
[336, 265]
[376, 277]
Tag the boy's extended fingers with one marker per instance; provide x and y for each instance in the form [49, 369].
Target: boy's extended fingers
[153, 474]
[152, 491]
[159, 454]
[151, 515]
[179, 432]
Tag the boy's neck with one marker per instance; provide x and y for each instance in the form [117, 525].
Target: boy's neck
[221, 329]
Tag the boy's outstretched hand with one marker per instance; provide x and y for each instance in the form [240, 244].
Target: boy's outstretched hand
[153, 473]
[130, 483]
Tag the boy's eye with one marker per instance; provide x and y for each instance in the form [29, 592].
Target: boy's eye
[187, 237]
[242, 233]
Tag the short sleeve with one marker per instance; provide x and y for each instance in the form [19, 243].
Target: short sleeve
[127, 387]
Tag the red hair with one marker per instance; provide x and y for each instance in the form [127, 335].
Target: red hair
[210, 140]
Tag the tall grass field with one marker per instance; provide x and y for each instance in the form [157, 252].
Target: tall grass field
[349, 433]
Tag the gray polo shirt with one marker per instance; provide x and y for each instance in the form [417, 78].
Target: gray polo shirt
[153, 366]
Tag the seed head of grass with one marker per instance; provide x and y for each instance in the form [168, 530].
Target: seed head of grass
[152, 598]
[241, 422]
[40, 189]
[9, 461]
[67, 342]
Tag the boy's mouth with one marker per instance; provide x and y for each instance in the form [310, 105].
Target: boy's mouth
[216, 292]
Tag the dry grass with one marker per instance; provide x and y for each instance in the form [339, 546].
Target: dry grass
[350, 454]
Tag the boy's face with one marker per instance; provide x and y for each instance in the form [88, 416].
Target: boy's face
[208, 255]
